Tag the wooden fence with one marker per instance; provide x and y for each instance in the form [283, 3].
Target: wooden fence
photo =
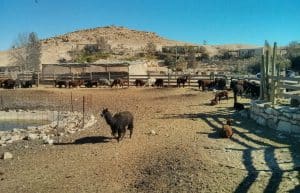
[289, 88]
[274, 84]
[284, 87]
[169, 80]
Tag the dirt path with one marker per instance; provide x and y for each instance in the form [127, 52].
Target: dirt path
[184, 155]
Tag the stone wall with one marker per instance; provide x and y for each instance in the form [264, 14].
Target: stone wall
[282, 118]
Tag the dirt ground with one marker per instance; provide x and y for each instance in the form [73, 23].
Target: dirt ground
[175, 148]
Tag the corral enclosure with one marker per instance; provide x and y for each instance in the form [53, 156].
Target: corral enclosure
[175, 147]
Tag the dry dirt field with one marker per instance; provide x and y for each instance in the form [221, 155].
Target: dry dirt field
[184, 155]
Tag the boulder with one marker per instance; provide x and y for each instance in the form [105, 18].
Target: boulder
[244, 113]
[31, 136]
[7, 155]
[295, 129]
[271, 123]
[284, 126]
[296, 116]
[49, 141]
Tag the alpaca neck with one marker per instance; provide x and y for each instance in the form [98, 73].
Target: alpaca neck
[108, 118]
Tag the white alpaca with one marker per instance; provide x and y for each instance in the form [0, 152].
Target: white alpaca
[150, 82]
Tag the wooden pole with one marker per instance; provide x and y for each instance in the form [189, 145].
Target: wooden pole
[267, 77]
[83, 111]
[128, 76]
[148, 79]
[169, 78]
[2, 106]
[273, 74]
[38, 79]
[262, 78]
[72, 107]
[54, 79]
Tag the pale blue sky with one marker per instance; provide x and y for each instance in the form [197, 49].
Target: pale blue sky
[216, 21]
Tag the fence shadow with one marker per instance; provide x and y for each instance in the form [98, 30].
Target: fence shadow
[250, 137]
[86, 140]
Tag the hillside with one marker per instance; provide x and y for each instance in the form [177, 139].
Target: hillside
[121, 39]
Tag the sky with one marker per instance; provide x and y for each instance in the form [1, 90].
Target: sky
[195, 21]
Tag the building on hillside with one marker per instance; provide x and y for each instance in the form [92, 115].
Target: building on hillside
[251, 52]
[157, 70]
[181, 49]
[246, 53]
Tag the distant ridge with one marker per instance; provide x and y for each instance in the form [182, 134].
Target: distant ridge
[121, 39]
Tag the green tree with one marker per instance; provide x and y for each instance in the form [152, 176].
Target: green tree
[170, 61]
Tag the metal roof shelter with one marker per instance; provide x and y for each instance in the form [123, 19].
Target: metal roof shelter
[106, 70]
[84, 67]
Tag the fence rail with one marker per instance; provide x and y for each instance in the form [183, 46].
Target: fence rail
[287, 87]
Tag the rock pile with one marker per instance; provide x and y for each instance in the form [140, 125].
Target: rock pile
[282, 118]
[65, 123]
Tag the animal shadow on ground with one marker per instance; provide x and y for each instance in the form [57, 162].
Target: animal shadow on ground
[209, 118]
[214, 135]
[86, 140]
[253, 138]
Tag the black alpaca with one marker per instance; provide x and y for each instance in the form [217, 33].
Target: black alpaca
[118, 123]
[117, 82]
[182, 80]
[238, 106]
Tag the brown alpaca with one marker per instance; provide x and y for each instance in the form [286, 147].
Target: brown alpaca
[226, 131]
[213, 102]
[221, 95]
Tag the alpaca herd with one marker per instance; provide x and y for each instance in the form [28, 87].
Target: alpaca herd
[122, 121]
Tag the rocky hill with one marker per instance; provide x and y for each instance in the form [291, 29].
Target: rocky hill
[121, 39]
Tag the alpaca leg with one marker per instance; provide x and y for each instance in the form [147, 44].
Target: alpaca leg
[122, 134]
[119, 138]
[130, 128]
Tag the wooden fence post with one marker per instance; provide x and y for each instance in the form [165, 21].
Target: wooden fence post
[83, 111]
[169, 79]
[262, 78]
[273, 80]
[72, 107]
[279, 84]
[148, 74]
[54, 79]
[38, 79]
[128, 80]
[267, 77]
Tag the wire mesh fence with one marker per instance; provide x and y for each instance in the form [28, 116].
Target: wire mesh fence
[23, 109]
